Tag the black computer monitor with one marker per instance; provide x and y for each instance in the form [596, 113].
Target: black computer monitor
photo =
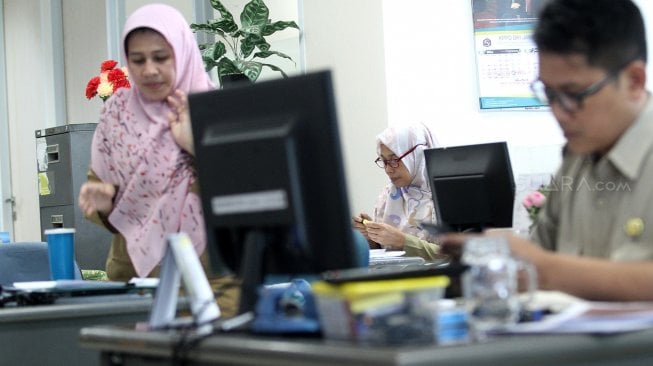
[473, 187]
[271, 179]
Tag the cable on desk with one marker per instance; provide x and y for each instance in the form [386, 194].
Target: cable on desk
[188, 340]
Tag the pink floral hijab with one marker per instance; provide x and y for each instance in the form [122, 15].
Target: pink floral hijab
[406, 207]
[134, 150]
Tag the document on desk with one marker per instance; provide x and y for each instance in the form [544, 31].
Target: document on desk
[580, 316]
[382, 253]
[382, 257]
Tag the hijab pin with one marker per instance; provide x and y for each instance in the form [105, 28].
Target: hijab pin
[634, 227]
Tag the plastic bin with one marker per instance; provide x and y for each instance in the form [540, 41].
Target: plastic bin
[380, 312]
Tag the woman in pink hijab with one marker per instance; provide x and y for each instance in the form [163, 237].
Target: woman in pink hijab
[141, 179]
[406, 200]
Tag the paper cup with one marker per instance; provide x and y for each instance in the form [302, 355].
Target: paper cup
[61, 252]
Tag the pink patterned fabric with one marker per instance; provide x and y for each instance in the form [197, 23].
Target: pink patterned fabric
[404, 208]
[134, 150]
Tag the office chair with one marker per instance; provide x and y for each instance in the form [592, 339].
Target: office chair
[26, 261]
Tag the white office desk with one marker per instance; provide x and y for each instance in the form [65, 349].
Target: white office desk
[49, 334]
[127, 346]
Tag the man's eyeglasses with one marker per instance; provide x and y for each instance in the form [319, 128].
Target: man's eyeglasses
[394, 163]
[571, 102]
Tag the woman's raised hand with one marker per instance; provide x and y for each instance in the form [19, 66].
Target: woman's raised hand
[179, 119]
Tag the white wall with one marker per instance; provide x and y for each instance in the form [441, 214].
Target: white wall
[84, 50]
[30, 101]
[347, 37]
[6, 222]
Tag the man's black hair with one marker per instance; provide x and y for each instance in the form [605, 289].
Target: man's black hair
[609, 33]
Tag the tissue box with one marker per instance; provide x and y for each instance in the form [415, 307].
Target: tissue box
[380, 312]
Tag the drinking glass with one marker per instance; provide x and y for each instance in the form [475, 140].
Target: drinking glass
[490, 285]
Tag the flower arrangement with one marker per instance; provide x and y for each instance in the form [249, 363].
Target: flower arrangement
[109, 80]
[534, 201]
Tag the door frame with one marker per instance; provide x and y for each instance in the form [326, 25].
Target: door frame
[6, 198]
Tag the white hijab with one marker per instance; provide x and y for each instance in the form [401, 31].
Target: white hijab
[405, 207]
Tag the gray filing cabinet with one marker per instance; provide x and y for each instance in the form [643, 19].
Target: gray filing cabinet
[63, 155]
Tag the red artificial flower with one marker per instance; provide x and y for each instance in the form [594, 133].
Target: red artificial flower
[108, 65]
[91, 87]
[115, 75]
[120, 83]
[109, 80]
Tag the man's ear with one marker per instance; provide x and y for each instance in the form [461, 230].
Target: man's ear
[636, 76]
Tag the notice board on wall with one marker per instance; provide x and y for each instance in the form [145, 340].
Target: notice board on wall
[506, 56]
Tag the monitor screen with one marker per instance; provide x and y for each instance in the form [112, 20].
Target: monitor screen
[473, 187]
[271, 179]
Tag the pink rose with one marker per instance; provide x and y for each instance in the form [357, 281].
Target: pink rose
[534, 199]
[538, 198]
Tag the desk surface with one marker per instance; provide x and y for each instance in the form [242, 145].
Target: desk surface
[49, 334]
[110, 305]
[133, 347]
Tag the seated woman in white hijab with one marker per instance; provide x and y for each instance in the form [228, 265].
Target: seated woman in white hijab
[406, 200]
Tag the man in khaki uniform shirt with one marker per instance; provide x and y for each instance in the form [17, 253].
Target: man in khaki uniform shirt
[604, 208]
[595, 234]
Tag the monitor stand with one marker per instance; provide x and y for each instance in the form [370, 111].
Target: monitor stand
[251, 269]
[181, 263]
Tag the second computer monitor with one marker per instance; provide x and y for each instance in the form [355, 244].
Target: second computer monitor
[473, 187]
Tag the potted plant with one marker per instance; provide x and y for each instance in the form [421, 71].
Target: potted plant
[239, 51]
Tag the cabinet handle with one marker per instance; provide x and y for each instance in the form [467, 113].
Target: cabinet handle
[56, 221]
[53, 153]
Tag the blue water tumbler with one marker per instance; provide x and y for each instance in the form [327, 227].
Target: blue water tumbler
[61, 252]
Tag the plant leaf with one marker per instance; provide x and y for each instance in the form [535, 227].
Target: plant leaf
[220, 27]
[225, 25]
[226, 67]
[250, 42]
[271, 28]
[219, 50]
[266, 54]
[254, 17]
[275, 68]
[204, 27]
[246, 47]
[224, 13]
[251, 69]
[209, 63]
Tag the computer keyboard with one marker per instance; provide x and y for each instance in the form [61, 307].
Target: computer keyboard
[394, 272]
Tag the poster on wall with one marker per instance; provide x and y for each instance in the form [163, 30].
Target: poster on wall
[506, 57]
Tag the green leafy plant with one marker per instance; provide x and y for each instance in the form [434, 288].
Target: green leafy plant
[240, 50]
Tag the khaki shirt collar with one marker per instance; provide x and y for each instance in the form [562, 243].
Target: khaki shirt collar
[634, 146]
